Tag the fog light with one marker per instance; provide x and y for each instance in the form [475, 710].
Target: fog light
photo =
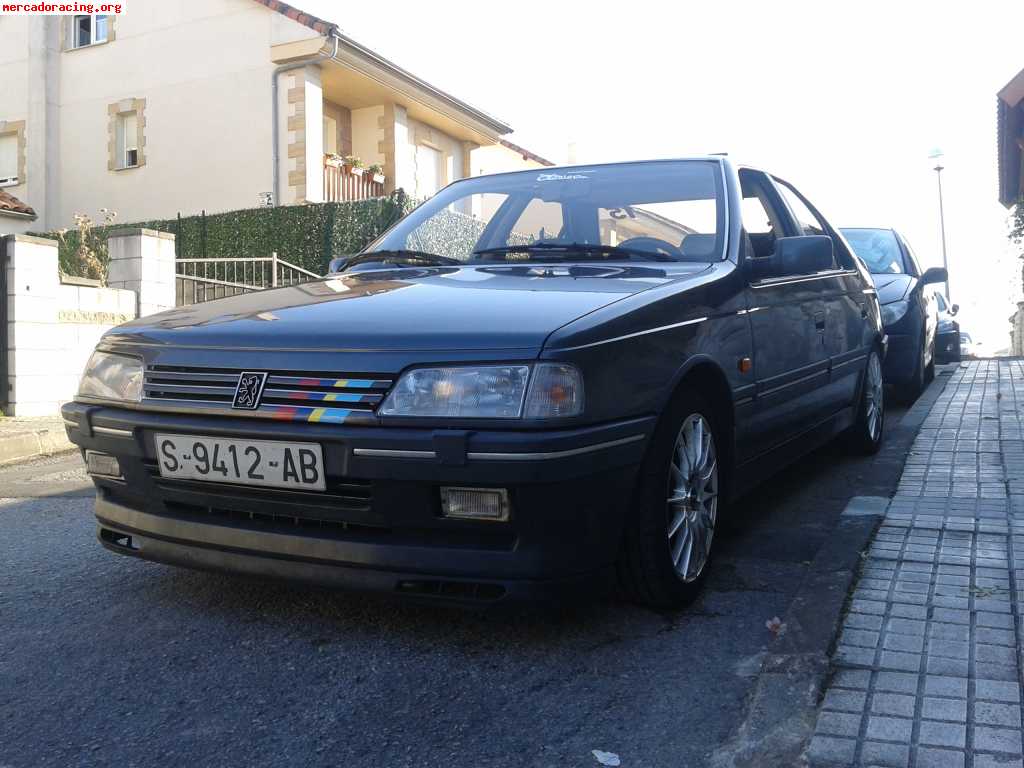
[102, 464]
[475, 503]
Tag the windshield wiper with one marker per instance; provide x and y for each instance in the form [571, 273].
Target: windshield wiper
[402, 256]
[570, 250]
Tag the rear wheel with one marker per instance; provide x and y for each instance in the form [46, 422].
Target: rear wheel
[670, 535]
[865, 436]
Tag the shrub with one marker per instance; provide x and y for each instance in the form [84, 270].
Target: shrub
[306, 235]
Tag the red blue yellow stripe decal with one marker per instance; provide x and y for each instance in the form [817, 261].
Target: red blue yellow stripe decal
[318, 415]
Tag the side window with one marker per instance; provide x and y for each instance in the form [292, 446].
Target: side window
[810, 221]
[761, 215]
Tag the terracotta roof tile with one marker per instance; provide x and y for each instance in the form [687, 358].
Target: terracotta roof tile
[14, 205]
[307, 19]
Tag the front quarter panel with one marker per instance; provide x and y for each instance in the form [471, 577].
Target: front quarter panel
[633, 353]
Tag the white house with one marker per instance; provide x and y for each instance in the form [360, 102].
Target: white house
[219, 105]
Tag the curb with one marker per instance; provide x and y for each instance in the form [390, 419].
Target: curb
[29, 444]
[795, 670]
[793, 675]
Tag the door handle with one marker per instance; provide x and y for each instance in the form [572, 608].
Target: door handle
[863, 311]
[819, 321]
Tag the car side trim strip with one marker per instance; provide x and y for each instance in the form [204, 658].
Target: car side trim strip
[659, 329]
[112, 431]
[389, 453]
[553, 454]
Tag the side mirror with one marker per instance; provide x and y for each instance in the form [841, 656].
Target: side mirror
[338, 264]
[954, 309]
[934, 275]
[803, 255]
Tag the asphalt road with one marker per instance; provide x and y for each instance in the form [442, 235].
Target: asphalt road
[105, 660]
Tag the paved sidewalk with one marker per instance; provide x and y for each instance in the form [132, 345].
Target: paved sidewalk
[927, 667]
[26, 437]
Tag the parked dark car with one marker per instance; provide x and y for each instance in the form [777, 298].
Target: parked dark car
[909, 312]
[947, 335]
[533, 381]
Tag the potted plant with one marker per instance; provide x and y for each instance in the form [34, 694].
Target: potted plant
[355, 164]
[377, 172]
[334, 160]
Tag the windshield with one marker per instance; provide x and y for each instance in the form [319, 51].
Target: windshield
[665, 211]
[878, 249]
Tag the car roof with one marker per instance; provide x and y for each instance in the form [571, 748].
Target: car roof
[722, 159]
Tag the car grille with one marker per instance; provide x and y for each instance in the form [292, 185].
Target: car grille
[288, 395]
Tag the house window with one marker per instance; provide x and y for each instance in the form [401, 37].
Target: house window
[127, 134]
[88, 29]
[127, 140]
[8, 159]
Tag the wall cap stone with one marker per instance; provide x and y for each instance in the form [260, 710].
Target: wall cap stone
[136, 231]
[28, 239]
[89, 282]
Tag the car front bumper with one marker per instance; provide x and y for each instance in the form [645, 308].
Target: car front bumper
[379, 524]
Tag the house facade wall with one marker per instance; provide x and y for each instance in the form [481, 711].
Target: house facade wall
[204, 72]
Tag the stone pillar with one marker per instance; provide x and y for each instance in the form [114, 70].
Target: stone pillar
[399, 159]
[32, 286]
[142, 260]
[305, 132]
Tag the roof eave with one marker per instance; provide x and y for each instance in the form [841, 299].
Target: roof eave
[376, 60]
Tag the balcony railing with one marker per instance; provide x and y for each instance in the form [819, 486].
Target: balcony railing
[344, 184]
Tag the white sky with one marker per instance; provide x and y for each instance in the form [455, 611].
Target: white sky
[845, 100]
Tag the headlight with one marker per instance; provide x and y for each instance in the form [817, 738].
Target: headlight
[487, 392]
[894, 312]
[112, 377]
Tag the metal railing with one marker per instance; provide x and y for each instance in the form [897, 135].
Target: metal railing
[342, 184]
[199, 280]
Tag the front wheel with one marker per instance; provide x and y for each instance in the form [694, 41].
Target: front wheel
[865, 436]
[669, 538]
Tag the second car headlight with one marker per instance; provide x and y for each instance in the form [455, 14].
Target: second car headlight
[487, 392]
[894, 312]
[112, 377]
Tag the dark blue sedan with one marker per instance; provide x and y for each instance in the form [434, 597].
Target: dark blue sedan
[534, 381]
[909, 309]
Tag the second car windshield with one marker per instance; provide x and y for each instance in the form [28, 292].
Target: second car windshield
[664, 211]
[878, 249]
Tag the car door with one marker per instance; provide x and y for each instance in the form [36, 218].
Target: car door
[846, 306]
[787, 318]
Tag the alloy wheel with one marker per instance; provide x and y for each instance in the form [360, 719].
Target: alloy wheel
[873, 396]
[693, 497]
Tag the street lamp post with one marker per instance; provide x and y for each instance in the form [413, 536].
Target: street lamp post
[936, 155]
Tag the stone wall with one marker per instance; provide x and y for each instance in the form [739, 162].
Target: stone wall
[53, 323]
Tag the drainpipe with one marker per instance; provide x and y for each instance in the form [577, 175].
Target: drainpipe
[275, 131]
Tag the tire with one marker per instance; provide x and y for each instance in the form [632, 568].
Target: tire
[663, 563]
[865, 436]
[909, 391]
[929, 371]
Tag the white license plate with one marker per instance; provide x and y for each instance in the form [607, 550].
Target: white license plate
[249, 462]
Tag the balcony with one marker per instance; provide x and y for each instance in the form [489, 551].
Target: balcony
[344, 183]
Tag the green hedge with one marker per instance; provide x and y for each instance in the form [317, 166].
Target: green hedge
[306, 235]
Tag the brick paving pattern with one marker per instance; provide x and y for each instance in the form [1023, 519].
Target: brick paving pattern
[928, 663]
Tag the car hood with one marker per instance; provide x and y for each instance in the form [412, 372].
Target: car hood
[892, 288]
[444, 308]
